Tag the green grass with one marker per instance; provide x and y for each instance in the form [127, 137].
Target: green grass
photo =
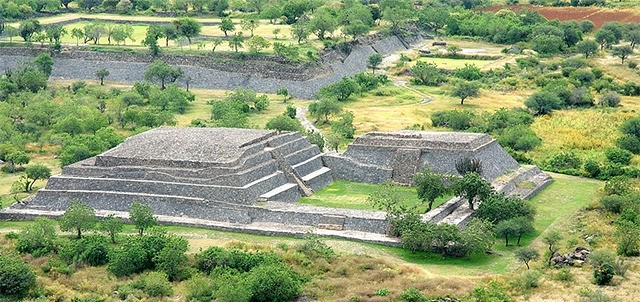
[353, 195]
[446, 63]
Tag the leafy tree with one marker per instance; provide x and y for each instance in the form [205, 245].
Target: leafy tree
[587, 47]
[633, 36]
[519, 138]
[55, 33]
[300, 31]
[387, 198]
[154, 32]
[334, 140]
[284, 123]
[274, 282]
[622, 52]
[142, 217]
[171, 32]
[543, 102]
[465, 89]
[339, 91]
[171, 259]
[237, 41]
[78, 217]
[16, 277]
[344, 126]
[469, 72]
[356, 29]
[257, 43]
[472, 186]
[434, 18]
[10, 31]
[526, 255]
[216, 42]
[226, 25]
[524, 225]
[396, 13]
[188, 27]
[38, 238]
[431, 185]
[14, 159]
[506, 229]
[427, 74]
[285, 93]
[547, 44]
[605, 38]
[78, 34]
[551, 239]
[112, 225]
[101, 74]
[250, 24]
[374, 61]
[161, 72]
[497, 208]
[28, 28]
[34, 173]
[323, 23]
[288, 52]
[325, 108]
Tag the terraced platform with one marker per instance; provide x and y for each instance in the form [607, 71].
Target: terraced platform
[249, 180]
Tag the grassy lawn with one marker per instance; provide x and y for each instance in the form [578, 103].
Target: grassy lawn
[446, 63]
[353, 195]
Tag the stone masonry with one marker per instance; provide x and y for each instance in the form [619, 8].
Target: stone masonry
[250, 180]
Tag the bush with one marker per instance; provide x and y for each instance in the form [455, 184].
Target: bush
[274, 282]
[632, 64]
[603, 274]
[16, 277]
[199, 289]
[454, 119]
[314, 247]
[284, 123]
[618, 156]
[617, 185]
[154, 284]
[564, 274]
[614, 203]
[412, 295]
[38, 238]
[564, 161]
[629, 142]
[519, 138]
[493, 292]
[592, 167]
[92, 250]
[128, 258]
[215, 257]
[543, 102]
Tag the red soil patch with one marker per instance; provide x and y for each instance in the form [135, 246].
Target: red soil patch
[596, 15]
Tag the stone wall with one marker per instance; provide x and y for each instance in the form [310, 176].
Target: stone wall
[348, 169]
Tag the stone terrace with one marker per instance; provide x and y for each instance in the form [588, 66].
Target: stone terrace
[248, 180]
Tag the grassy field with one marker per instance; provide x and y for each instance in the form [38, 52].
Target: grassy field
[353, 195]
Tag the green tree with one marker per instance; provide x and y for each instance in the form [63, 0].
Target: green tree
[188, 27]
[284, 92]
[334, 140]
[38, 238]
[341, 90]
[622, 52]
[226, 25]
[633, 36]
[257, 43]
[323, 23]
[526, 255]
[587, 47]
[543, 102]
[250, 24]
[154, 32]
[34, 173]
[14, 159]
[427, 74]
[551, 239]
[55, 33]
[506, 229]
[471, 187]
[434, 18]
[396, 13]
[374, 61]
[78, 34]
[300, 31]
[216, 42]
[111, 225]
[430, 185]
[16, 277]
[344, 126]
[170, 32]
[547, 44]
[237, 41]
[78, 217]
[325, 108]
[142, 217]
[161, 72]
[44, 63]
[498, 207]
[469, 72]
[605, 38]
[284, 123]
[101, 74]
[465, 89]
[28, 28]
[172, 260]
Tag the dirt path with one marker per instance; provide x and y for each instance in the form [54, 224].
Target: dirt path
[425, 97]
[301, 115]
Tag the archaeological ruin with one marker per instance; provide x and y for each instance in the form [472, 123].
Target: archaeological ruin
[249, 180]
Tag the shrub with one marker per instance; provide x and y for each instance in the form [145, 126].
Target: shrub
[128, 258]
[284, 123]
[519, 138]
[16, 277]
[617, 185]
[592, 167]
[632, 64]
[629, 142]
[412, 295]
[314, 247]
[543, 102]
[603, 274]
[274, 282]
[92, 250]
[199, 289]
[614, 203]
[38, 238]
[155, 284]
[315, 138]
[454, 119]
[604, 266]
[215, 257]
[564, 161]
[494, 291]
[564, 274]
[618, 156]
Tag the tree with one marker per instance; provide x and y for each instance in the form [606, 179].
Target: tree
[374, 61]
[78, 34]
[11, 32]
[276, 32]
[325, 108]
[14, 159]
[250, 24]
[170, 33]
[605, 38]
[284, 123]
[526, 255]
[323, 23]
[454, 50]
[171, 259]
[397, 13]
[633, 36]
[551, 239]
[430, 185]
[622, 52]
[216, 42]
[16, 277]
[284, 92]
[300, 31]
[226, 25]
[65, 3]
[587, 47]
[547, 44]
[154, 32]
[505, 229]
[471, 187]
[465, 89]
[543, 102]
[28, 28]
[498, 207]
[341, 90]
[112, 225]
[237, 41]
[257, 43]
[55, 33]
[161, 72]
[469, 72]
[434, 18]
[334, 140]
[78, 217]
[38, 238]
[34, 173]
[427, 74]
[188, 27]
[142, 217]
[524, 225]
[101, 74]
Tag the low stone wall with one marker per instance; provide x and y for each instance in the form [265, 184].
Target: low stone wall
[347, 169]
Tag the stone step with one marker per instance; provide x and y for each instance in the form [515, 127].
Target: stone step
[282, 138]
[285, 193]
[461, 216]
[292, 146]
[528, 188]
[302, 154]
[309, 166]
[436, 215]
[318, 179]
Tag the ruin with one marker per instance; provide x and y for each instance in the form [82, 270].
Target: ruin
[249, 180]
